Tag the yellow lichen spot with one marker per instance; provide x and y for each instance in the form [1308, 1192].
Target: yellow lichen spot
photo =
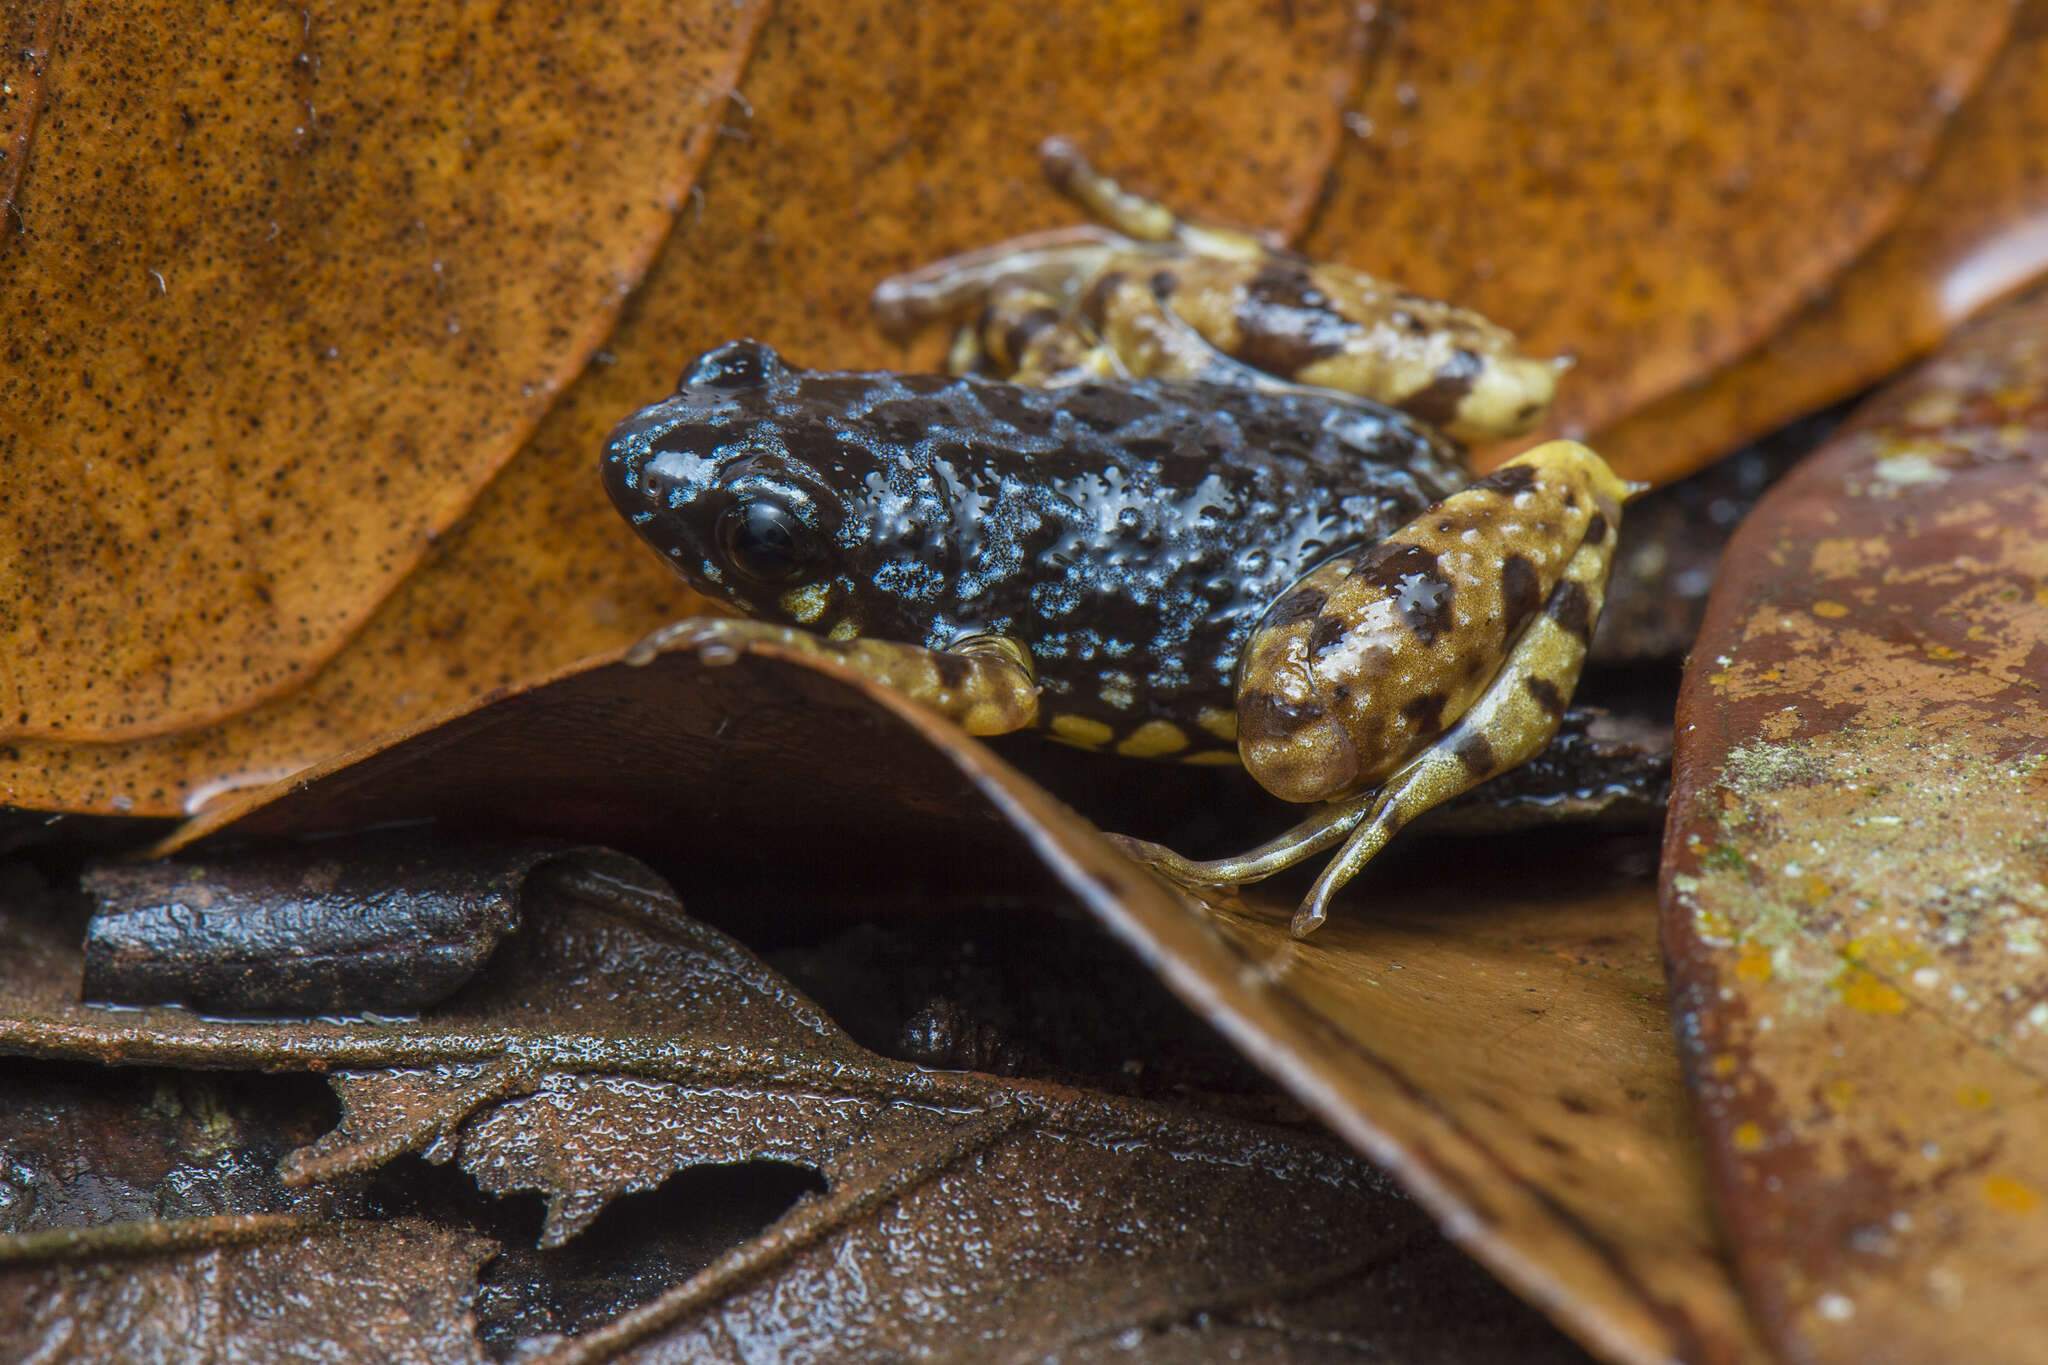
[1862, 991]
[1973, 1097]
[1839, 1094]
[1718, 679]
[1214, 758]
[2041, 597]
[1813, 890]
[1753, 964]
[1081, 730]
[1829, 608]
[1771, 675]
[1976, 635]
[2013, 1196]
[1748, 1137]
[1218, 722]
[1153, 738]
[1724, 1064]
[1942, 652]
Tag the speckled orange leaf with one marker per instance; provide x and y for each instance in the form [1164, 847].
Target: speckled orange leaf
[1977, 229]
[866, 139]
[1494, 1036]
[282, 291]
[1856, 872]
[1650, 187]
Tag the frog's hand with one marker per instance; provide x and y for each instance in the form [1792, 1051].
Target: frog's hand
[986, 685]
[1513, 721]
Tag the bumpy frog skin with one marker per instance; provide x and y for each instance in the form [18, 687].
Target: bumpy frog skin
[1154, 296]
[1163, 569]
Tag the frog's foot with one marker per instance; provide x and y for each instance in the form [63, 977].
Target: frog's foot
[1135, 216]
[1054, 263]
[985, 684]
[1323, 830]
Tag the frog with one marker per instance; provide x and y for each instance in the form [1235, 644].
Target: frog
[1145, 293]
[1299, 581]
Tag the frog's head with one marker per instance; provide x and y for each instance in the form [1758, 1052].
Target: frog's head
[708, 477]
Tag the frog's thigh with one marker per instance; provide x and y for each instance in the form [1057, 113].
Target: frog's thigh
[987, 686]
[1514, 720]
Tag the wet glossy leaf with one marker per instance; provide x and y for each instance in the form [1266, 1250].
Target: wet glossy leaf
[1976, 229]
[394, 1292]
[1855, 866]
[616, 1042]
[1648, 187]
[868, 138]
[282, 295]
[1563, 1161]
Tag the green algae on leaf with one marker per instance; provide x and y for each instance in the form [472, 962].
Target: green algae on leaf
[1855, 888]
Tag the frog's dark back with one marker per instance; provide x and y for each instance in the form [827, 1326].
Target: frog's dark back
[1131, 535]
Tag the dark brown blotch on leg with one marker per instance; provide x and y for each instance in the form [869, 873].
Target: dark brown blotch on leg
[1427, 714]
[1417, 583]
[1437, 402]
[1329, 632]
[1546, 694]
[1573, 611]
[1476, 753]
[1521, 593]
[1285, 324]
[1508, 480]
[1300, 605]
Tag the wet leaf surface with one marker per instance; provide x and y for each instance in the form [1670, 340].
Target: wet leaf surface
[1855, 865]
[1647, 187]
[1491, 1115]
[357, 254]
[614, 1043]
[1976, 229]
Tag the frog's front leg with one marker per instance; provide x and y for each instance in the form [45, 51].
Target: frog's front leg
[984, 684]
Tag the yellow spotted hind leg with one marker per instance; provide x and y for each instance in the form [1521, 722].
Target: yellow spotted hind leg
[1514, 720]
[986, 684]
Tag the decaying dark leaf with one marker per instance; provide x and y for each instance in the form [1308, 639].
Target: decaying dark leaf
[384, 1292]
[308, 930]
[710, 763]
[1856, 871]
[613, 1043]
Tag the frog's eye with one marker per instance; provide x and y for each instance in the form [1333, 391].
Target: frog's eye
[764, 541]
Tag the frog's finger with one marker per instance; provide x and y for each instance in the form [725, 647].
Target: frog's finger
[1513, 721]
[985, 685]
[1133, 215]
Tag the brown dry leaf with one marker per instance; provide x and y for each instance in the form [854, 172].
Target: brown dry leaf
[869, 138]
[1555, 1146]
[1648, 187]
[1977, 229]
[1855, 868]
[284, 294]
[616, 1043]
